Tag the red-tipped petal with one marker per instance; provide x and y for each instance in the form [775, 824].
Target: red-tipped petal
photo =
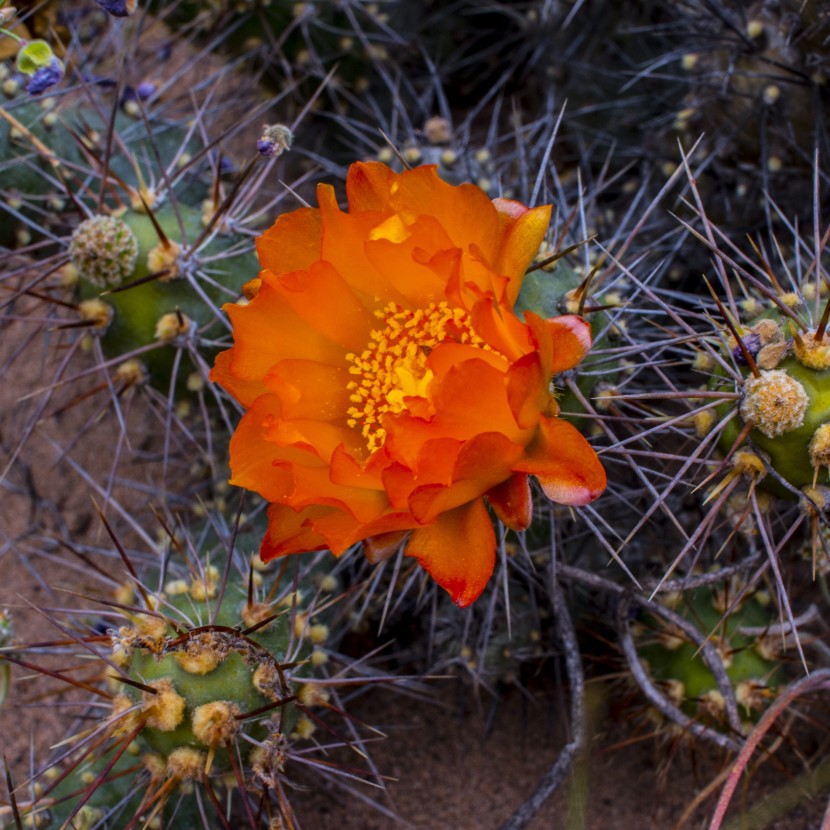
[562, 341]
[512, 502]
[458, 550]
[565, 464]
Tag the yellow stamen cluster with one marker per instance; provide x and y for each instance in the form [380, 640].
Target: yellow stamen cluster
[393, 366]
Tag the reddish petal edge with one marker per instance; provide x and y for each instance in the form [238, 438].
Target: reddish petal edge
[511, 501]
[565, 464]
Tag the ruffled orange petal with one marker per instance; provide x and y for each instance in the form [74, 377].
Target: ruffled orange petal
[528, 392]
[458, 550]
[368, 185]
[502, 330]
[468, 400]
[323, 299]
[562, 341]
[465, 211]
[308, 389]
[565, 464]
[471, 398]
[521, 232]
[292, 243]
[481, 463]
[346, 469]
[245, 391]
[380, 547]
[409, 272]
[345, 237]
[256, 463]
[289, 531]
[478, 277]
[311, 483]
[318, 438]
[433, 465]
[341, 531]
[259, 342]
[511, 501]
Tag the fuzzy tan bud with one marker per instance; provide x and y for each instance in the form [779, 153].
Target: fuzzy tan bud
[186, 764]
[165, 257]
[163, 710]
[172, 325]
[775, 402]
[96, 312]
[216, 723]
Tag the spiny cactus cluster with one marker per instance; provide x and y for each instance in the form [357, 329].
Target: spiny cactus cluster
[209, 690]
[198, 685]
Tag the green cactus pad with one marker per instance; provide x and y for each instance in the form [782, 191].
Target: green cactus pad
[789, 403]
[227, 260]
[233, 661]
[672, 659]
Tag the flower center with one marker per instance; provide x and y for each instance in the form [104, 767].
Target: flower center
[393, 366]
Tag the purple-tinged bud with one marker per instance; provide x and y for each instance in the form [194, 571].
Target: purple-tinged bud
[274, 141]
[45, 77]
[145, 90]
[752, 342]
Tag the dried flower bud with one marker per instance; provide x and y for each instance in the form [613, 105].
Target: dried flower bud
[274, 141]
[46, 77]
[37, 60]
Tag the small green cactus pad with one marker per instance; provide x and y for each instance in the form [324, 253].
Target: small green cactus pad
[208, 676]
[747, 653]
[156, 311]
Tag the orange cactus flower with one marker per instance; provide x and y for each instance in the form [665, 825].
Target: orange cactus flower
[391, 391]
